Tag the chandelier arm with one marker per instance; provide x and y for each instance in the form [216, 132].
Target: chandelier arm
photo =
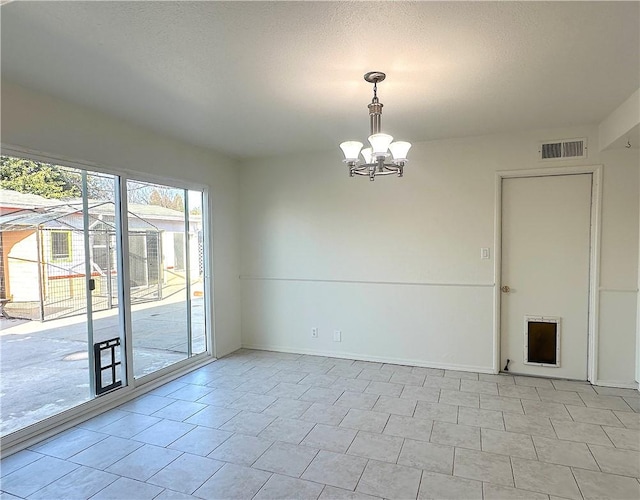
[390, 167]
[370, 170]
[361, 166]
[360, 171]
[386, 172]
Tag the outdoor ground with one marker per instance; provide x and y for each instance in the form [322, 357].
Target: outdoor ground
[44, 366]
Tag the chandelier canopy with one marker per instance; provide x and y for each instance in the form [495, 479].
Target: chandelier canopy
[375, 158]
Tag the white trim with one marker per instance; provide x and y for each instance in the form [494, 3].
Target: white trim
[497, 272]
[618, 290]
[594, 277]
[209, 280]
[367, 282]
[364, 357]
[548, 171]
[594, 259]
[618, 384]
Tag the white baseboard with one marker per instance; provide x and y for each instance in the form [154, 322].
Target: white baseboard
[617, 384]
[378, 359]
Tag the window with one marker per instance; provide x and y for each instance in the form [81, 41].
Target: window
[61, 245]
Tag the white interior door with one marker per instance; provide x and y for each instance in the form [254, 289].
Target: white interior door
[546, 224]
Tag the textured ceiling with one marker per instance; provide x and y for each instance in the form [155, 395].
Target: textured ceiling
[263, 78]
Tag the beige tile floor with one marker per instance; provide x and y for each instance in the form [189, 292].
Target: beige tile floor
[271, 425]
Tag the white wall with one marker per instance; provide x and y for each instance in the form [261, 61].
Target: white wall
[38, 122]
[395, 264]
[618, 266]
[23, 270]
[620, 122]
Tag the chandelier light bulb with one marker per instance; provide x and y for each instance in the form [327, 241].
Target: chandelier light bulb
[351, 150]
[399, 150]
[380, 144]
[367, 155]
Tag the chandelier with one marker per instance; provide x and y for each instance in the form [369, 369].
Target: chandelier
[375, 158]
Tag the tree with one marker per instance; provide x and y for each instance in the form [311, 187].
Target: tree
[99, 187]
[52, 181]
[43, 179]
[166, 197]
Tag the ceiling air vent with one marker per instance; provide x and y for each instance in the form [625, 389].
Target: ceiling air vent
[563, 149]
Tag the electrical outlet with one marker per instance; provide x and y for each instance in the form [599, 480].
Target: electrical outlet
[314, 333]
[337, 336]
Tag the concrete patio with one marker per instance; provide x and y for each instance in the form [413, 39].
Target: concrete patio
[44, 366]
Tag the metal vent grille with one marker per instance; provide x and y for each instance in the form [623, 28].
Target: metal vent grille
[552, 150]
[563, 149]
[572, 148]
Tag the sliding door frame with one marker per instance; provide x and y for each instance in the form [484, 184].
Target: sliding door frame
[207, 265]
[132, 387]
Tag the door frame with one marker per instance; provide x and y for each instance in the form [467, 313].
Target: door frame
[594, 256]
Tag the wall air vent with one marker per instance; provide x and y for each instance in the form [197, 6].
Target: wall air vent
[563, 149]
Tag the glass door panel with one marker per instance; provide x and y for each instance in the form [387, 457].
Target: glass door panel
[57, 276]
[158, 276]
[101, 228]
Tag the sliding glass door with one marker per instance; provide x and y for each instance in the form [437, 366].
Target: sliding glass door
[166, 267]
[70, 321]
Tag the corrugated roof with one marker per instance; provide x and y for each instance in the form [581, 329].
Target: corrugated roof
[14, 199]
[59, 218]
[68, 215]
